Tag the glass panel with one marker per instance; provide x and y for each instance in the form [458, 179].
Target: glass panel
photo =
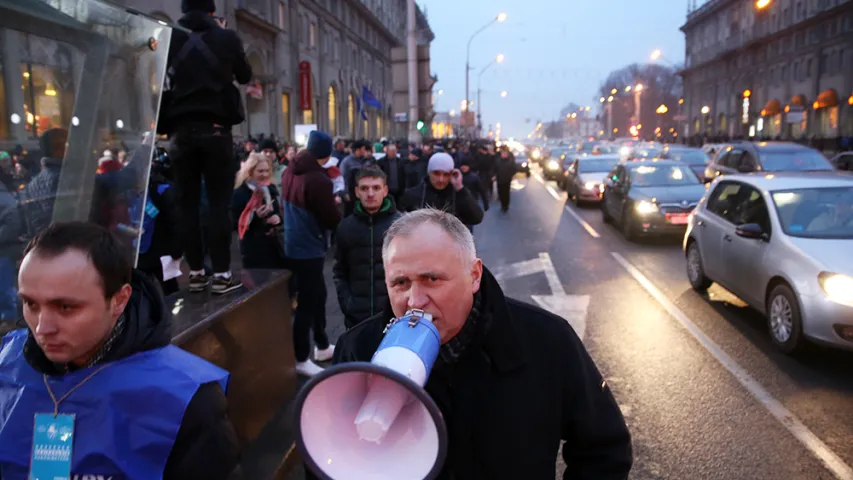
[81, 85]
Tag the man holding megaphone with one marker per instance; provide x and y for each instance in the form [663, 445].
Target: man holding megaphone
[463, 383]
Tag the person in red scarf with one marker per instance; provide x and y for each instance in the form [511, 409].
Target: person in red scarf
[257, 209]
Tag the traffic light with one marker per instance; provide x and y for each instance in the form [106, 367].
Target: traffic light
[420, 124]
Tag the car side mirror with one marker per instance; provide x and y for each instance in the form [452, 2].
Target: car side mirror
[752, 231]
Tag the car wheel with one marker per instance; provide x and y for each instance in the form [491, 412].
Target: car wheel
[784, 320]
[695, 271]
[629, 230]
[605, 215]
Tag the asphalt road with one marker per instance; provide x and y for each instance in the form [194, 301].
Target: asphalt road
[701, 387]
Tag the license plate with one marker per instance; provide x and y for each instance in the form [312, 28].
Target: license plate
[677, 218]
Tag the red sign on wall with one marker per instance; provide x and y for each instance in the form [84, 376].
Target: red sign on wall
[304, 85]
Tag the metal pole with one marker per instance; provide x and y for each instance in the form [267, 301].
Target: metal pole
[414, 134]
[468, 69]
[479, 117]
[610, 119]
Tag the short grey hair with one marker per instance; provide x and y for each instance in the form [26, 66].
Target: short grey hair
[408, 223]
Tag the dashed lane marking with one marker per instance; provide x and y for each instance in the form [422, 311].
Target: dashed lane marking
[591, 231]
[810, 441]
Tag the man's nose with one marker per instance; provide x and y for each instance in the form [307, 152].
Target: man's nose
[46, 325]
[418, 299]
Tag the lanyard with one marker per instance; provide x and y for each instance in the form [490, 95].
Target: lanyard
[69, 392]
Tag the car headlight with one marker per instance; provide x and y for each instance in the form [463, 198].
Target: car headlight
[838, 287]
[643, 207]
[523, 164]
[536, 154]
[624, 150]
[553, 165]
[590, 185]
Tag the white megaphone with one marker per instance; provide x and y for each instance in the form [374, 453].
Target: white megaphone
[374, 420]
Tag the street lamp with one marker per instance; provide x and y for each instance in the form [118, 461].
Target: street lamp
[656, 54]
[499, 19]
[662, 110]
[504, 94]
[628, 88]
[706, 110]
[601, 99]
[498, 59]
[610, 99]
[639, 87]
[762, 4]
[613, 92]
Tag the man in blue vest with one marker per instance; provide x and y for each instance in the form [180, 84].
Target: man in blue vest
[93, 388]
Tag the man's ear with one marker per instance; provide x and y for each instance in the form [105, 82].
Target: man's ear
[476, 275]
[120, 299]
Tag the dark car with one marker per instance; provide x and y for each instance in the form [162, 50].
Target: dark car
[583, 179]
[695, 158]
[650, 197]
[747, 157]
[843, 161]
[522, 164]
[582, 150]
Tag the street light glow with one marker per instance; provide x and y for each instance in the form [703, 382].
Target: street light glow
[610, 99]
[601, 99]
[504, 94]
[762, 4]
[500, 58]
[613, 92]
[628, 88]
[656, 54]
[574, 115]
[681, 101]
[662, 109]
[501, 17]
[639, 87]
[441, 92]
[706, 110]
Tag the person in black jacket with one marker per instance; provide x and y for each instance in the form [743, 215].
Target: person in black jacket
[443, 189]
[160, 223]
[358, 272]
[199, 111]
[256, 208]
[472, 182]
[414, 169]
[511, 380]
[506, 169]
[95, 322]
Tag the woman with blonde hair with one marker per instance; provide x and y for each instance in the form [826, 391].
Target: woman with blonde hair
[257, 211]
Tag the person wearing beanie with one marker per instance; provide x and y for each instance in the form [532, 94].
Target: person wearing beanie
[197, 111]
[414, 169]
[310, 213]
[443, 189]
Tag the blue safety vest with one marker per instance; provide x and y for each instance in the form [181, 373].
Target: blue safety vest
[127, 415]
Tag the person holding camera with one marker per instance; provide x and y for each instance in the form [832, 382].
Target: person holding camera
[443, 189]
[199, 108]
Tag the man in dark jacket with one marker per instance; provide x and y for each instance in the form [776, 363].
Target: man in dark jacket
[309, 213]
[511, 380]
[506, 169]
[390, 164]
[202, 106]
[443, 189]
[358, 271]
[96, 323]
[361, 156]
[414, 169]
[486, 168]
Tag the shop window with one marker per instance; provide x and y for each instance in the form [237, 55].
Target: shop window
[48, 98]
[333, 111]
[285, 114]
[308, 117]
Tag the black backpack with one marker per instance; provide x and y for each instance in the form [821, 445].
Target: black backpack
[231, 94]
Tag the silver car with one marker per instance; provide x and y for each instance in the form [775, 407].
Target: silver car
[783, 243]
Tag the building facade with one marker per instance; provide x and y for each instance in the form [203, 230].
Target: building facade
[782, 71]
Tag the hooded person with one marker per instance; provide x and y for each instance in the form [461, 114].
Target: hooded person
[443, 189]
[95, 362]
[310, 213]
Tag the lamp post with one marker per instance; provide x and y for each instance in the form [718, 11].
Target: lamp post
[500, 18]
[497, 59]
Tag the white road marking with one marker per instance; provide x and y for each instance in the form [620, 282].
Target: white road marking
[572, 308]
[516, 185]
[539, 178]
[583, 223]
[553, 192]
[810, 441]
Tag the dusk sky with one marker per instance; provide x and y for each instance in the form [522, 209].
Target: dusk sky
[556, 51]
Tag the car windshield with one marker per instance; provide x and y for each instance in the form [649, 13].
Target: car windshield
[597, 165]
[794, 161]
[690, 157]
[662, 176]
[816, 212]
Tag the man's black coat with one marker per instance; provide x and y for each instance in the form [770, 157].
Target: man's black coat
[509, 402]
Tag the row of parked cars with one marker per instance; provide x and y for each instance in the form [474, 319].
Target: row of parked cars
[772, 222]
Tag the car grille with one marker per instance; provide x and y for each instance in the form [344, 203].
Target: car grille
[676, 208]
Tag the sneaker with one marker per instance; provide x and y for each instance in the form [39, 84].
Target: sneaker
[325, 354]
[199, 282]
[222, 285]
[308, 368]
